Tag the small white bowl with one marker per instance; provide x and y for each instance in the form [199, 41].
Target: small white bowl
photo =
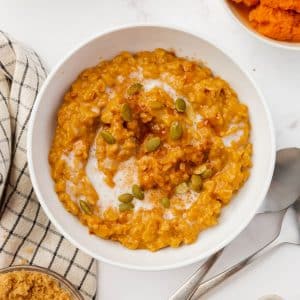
[234, 217]
[242, 20]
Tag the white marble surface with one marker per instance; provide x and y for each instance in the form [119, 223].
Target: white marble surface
[53, 28]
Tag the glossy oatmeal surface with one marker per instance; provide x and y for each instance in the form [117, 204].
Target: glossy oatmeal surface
[148, 148]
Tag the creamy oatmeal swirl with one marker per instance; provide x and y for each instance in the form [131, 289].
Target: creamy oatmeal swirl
[148, 148]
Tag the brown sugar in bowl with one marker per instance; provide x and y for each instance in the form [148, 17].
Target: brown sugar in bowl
[35, 283]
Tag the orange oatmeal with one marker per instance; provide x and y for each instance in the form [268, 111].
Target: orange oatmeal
[148, 148]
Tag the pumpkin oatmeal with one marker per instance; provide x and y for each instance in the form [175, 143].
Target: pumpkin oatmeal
[148, 148]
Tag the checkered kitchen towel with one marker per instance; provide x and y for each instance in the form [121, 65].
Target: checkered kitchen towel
[26, 235]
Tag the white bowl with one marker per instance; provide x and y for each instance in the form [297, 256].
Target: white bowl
[242, 20]
[235, 216]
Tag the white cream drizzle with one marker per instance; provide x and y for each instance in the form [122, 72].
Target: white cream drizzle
[187, 199]
[227, 140]
[69, 159]
[137, 74]
[126, 176]
[110, 92]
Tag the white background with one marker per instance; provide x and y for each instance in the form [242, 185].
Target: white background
[54, 27]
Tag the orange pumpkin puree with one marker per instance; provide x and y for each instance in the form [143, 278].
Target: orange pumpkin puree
[276, 19]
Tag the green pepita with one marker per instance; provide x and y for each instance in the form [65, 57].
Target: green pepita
[85, 207]
[165, 202]
[152, 144]
[176, 130]
[137, 192]
[134, 89]
[180, 105]
[126, 207]
[181, 188]
[108, 137]
[196, 183]
[207, 174]
[126, 112]
[125, 198]
[204, 171]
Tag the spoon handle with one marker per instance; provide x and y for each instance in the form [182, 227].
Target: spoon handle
[214, 281]
[187, 289]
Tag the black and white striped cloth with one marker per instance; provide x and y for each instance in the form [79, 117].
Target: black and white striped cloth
[26, 234]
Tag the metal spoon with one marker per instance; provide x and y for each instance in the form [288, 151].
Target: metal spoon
[284, 190]
[204, 287]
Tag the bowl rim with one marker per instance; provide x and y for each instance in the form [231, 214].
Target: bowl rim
[64, 282]
[266, 40]
[186, 262]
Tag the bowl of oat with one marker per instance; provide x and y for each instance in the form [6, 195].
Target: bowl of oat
[150, 148]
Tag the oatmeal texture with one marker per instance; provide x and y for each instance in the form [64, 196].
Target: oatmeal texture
[185, 132]
[29, 285]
